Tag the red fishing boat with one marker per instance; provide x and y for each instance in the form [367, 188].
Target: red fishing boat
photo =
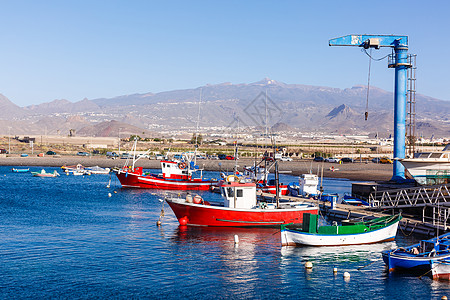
[240, 208]
[176, 175]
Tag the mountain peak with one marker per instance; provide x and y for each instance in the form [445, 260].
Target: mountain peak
[267, 81]
[342, 110]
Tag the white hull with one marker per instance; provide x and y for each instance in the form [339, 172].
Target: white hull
[440, 270]
[421, 168]
[293, 238]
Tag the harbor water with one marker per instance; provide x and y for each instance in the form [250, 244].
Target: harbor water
[73, 237]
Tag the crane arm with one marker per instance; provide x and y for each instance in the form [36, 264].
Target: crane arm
[374, 41]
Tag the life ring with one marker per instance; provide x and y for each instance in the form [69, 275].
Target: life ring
[232, 178]
[182, 165]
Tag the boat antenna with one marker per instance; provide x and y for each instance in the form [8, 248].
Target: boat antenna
[196, 133]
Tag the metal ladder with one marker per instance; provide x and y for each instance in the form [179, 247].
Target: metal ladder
[411, 104]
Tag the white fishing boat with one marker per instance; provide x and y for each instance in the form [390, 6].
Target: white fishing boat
[440, 269]
[98, 170]
[349, 233]
[429, 168]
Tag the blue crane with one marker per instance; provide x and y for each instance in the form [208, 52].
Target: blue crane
[400, 63]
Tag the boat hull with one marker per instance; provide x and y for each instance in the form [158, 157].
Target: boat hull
[207, 215]
[440, 270]
[428, 169]
[406, 261]
[130, 180]
[296, 238]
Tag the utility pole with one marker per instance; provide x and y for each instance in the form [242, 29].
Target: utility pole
[9, 140]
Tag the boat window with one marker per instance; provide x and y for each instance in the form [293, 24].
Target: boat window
[223, 192]
[422, 155]
[239, 193]
[230, 192]
[164, 165]
[435, 155]
[446, 155]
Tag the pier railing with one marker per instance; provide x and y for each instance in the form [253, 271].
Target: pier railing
[410, 197]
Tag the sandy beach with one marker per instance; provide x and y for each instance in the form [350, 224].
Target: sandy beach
[353, 171]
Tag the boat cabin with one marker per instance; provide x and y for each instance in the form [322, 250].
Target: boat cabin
[238, 194]
[308, 185]
[175, 170]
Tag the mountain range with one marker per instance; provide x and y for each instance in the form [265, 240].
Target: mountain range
[225, 107]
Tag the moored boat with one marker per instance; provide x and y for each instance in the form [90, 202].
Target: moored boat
[177, 174]
[417, 258]
[429, 168]
[239, 209]
[440, 269]
[43, 173]
[98, 170]
[349, 233]
[17, 170]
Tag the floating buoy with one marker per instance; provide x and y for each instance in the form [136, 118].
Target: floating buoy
[109, 195]
[444, 298]
[158, 223]
[197, 199]
[183, 221]
[236, 239]
[115, 192]
[107, 186]
[334, 270]
[346, 275]
[308, 265]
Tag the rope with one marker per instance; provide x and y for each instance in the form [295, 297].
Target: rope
[412, 230]
[420, 277]
[278, 231]
[367, 265]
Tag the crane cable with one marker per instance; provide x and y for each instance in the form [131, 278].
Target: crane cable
[366, 113]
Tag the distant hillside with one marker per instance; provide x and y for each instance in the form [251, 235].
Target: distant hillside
[295, 106]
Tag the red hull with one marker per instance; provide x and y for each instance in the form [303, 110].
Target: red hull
[206, 215]
[153, 182]
[273, 190]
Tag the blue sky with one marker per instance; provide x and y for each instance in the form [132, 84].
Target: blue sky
[91, 49]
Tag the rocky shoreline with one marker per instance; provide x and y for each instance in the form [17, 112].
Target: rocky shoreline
[352, 171]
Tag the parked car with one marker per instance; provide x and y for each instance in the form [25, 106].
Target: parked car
[319, 158]
[332, 160]
[3, 151]
[222, 156]
[112, 155]
[83, 153]
[386, 160]
[213, 157]
[50, 153]
[230, 157]
[285, 158]
[159, 157]
[376, 160]
[268, 158]
[347, 160]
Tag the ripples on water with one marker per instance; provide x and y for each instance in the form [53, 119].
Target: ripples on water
[65, 237]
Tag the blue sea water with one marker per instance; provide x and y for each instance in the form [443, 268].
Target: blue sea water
[65, 237]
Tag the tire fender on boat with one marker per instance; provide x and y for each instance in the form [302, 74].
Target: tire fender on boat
[182, 165]
[232, 178]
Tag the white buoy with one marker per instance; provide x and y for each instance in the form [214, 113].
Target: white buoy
[346, 275]
[109, 195]
[236, 239]
[107, 186]
[308, 265]
[334, 270]
[158, 223]
[444, 298]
